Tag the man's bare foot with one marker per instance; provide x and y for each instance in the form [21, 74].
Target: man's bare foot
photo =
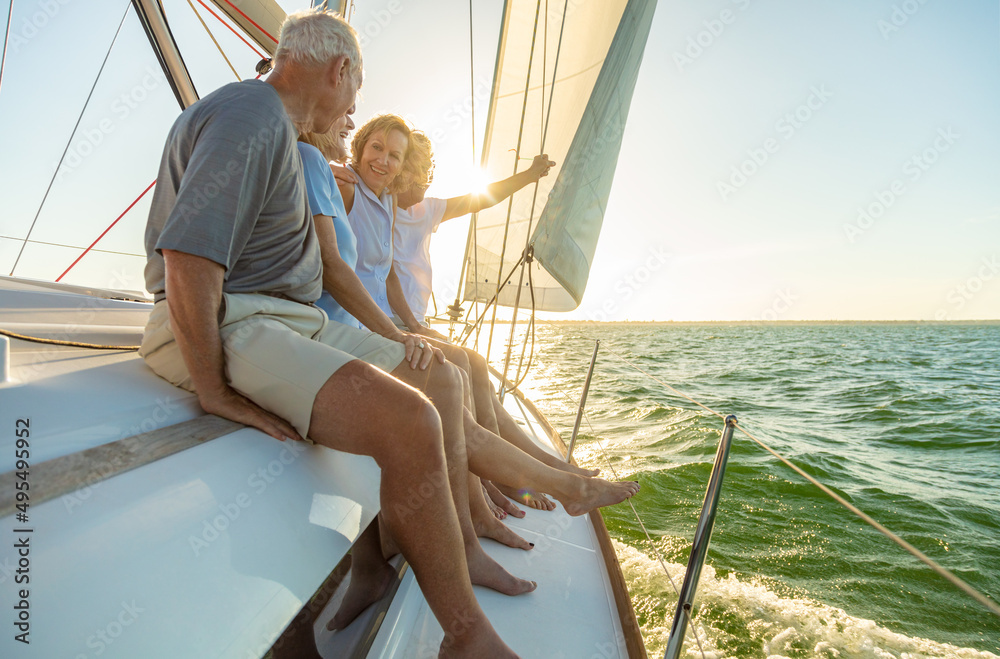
[363, 591]
[484, 571]
[497, 511]
[474, 642]
[595, 493]
[497, 498]
[528, 497]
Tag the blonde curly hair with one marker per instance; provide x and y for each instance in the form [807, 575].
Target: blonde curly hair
[327, 143]
[418, 170]
[382, 125]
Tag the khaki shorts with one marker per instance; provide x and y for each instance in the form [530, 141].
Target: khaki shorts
[278, 353]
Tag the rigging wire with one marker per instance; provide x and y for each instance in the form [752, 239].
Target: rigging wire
[517, 154]
[943, 572]
[69, 142]
[232, 29]
[252, 22]
[212, 37]
[105, 232]
[100, 251]
[6, 40]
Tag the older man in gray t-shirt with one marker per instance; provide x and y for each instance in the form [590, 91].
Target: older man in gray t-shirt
[234, 266]
[251, 188]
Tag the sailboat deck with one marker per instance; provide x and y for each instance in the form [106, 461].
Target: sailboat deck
[212, 551]
[571, 613]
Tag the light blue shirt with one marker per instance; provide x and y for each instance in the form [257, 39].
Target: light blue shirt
[325, 199]
[371, 220]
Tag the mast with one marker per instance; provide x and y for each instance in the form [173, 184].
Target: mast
[154, 22]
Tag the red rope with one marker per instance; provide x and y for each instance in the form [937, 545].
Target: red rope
[251, 20]
[231, 29]
[106, 230]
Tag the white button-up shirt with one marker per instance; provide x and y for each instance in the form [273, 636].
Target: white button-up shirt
[371, 219]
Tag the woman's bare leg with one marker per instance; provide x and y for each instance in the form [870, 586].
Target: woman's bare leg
[495, 459]
[443, 385]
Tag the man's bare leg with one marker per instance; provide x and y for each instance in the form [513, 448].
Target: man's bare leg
[370, 577]
[361, 410]
[493, 458]
[443, 384]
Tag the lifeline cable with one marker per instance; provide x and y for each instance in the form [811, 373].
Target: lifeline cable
[992, 606]
[635, 513]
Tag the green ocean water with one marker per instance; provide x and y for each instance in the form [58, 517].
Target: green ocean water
[902, 420]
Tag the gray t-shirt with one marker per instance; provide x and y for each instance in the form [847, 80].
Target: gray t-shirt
[231, 189]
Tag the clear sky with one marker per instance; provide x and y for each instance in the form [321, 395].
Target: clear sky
[789, 160]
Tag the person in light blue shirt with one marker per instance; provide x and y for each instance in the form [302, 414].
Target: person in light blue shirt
[326, 204]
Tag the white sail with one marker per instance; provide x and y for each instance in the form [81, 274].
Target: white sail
[563, 85]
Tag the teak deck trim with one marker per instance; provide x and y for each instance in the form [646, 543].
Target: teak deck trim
[69, 473]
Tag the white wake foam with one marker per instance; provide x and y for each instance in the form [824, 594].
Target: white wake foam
[780, 627]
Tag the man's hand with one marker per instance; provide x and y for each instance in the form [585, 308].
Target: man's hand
[343, 175]
[540, 166]
[229, 404]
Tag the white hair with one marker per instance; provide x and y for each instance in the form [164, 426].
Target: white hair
[314, 36]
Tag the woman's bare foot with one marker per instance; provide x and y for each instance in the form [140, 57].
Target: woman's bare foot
[484, 571]
[497, 498]
[528, 497]
[494, 529]
[595, 493]
[363, 591]
[487, 525]
[497, 511]
[580, 471]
